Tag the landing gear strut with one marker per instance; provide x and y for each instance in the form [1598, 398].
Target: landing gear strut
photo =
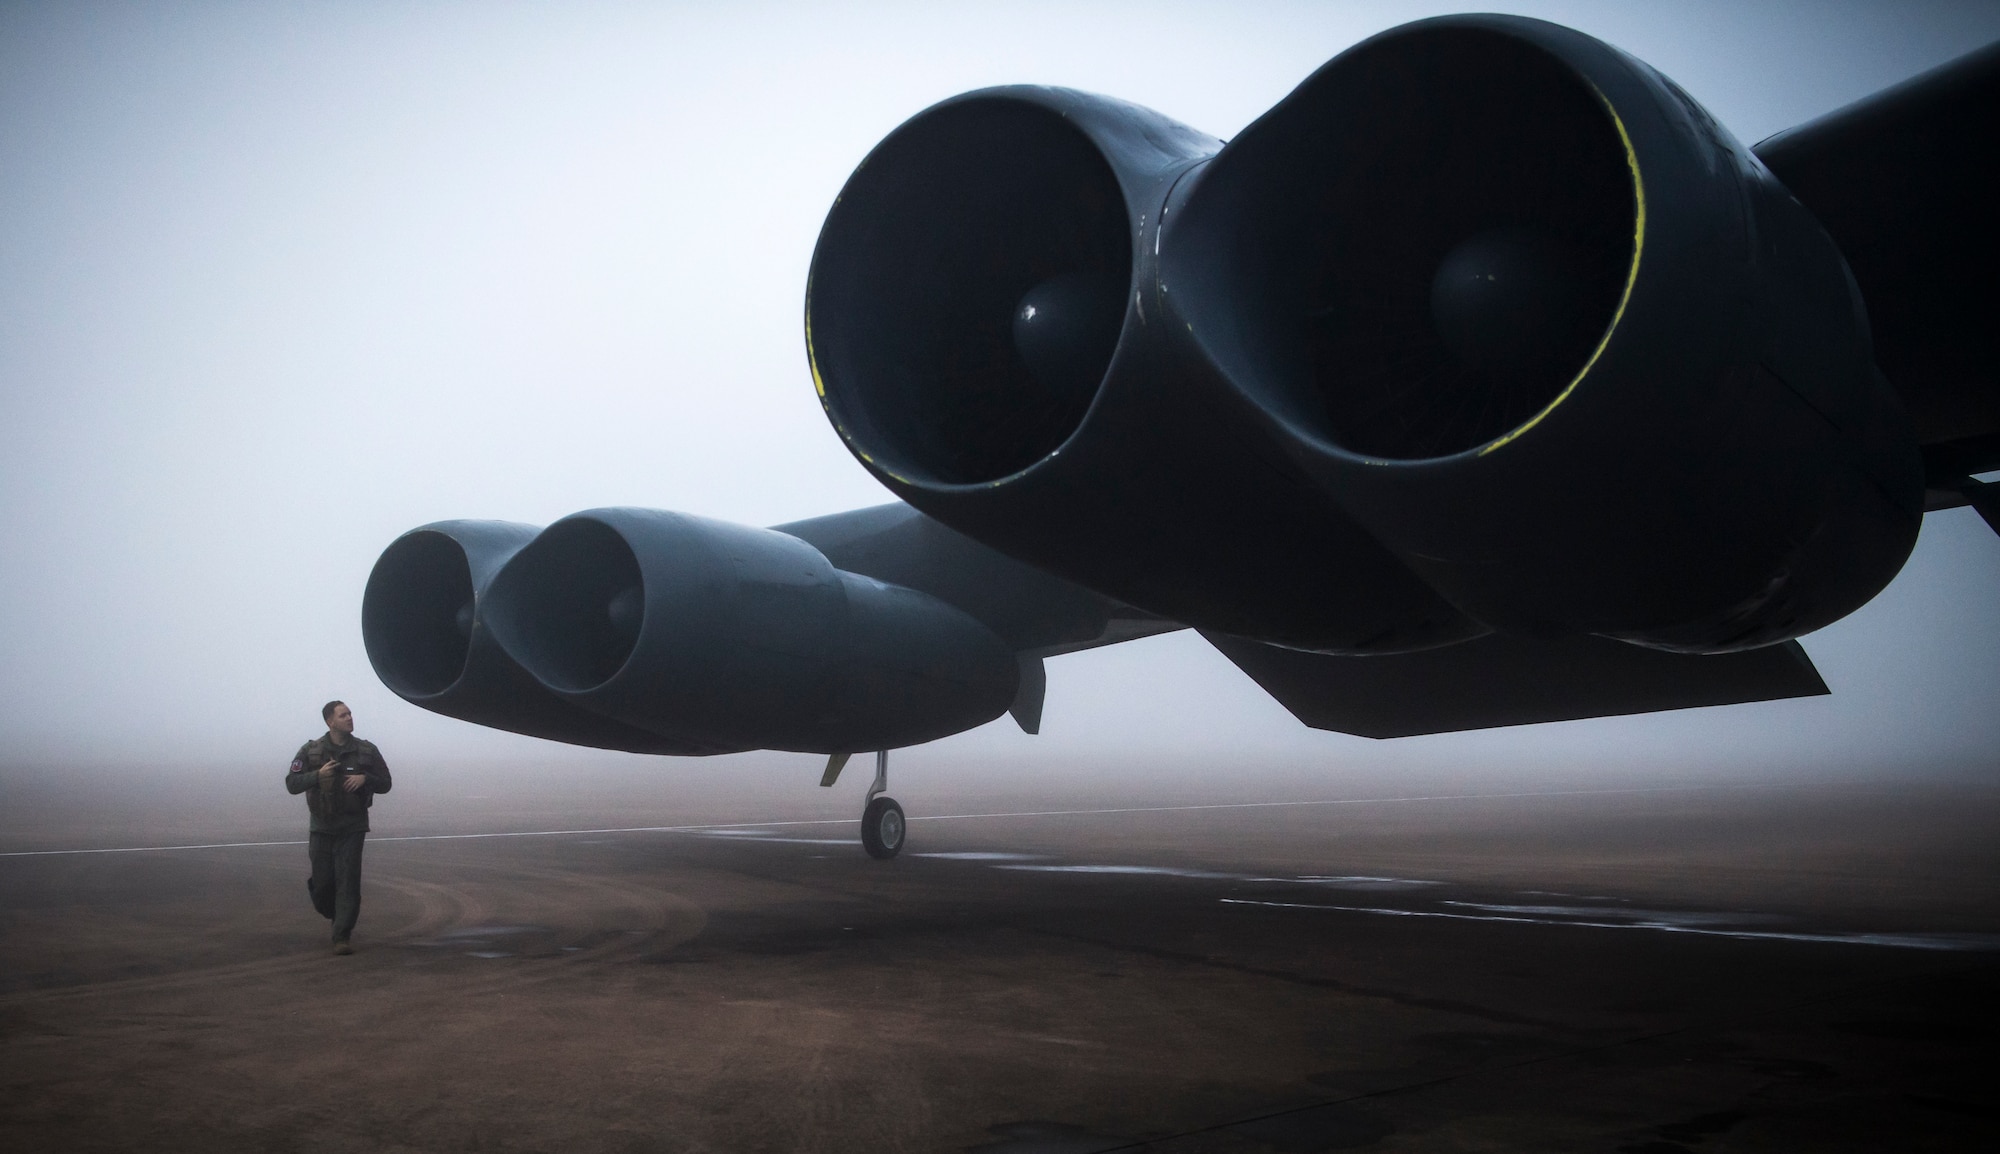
[882, 824]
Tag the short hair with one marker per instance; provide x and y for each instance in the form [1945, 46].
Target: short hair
[326, 711]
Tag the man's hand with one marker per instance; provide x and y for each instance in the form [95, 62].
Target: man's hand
[354, 783]
[326, 771]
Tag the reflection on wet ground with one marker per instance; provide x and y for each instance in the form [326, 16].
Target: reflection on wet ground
[1131, 870]
[1668, 921]
[1425, 898]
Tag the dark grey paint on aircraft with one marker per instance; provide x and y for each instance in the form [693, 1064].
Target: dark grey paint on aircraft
[1483, 381]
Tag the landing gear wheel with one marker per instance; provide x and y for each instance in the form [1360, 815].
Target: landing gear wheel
[882, 828]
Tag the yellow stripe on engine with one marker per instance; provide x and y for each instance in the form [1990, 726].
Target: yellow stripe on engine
[1631, 278]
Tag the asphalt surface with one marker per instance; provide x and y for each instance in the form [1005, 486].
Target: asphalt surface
[1644, 972]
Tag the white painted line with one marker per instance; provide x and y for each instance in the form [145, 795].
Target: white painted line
[750, 825]
[143, 848]
[1330, 801]
[388, 837]
[1942, 941]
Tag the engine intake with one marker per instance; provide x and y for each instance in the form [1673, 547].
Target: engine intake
[984, 330]
[959, 379]
[1419, 249]
[424, 628]
[1553, 336]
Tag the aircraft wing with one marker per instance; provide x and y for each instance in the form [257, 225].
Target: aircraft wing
[1905, 182]
[1038, 615]
[1494, 681]
[1035, 613]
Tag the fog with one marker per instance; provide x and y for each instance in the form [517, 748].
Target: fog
[280, 282]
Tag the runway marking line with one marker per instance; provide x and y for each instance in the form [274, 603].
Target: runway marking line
[1915, 941]
[924, 817]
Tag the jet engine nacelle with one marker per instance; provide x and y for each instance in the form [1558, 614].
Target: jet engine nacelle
[1486, 325]
[1554, 337]
[426, 637]
[984, 329]
[719, 637]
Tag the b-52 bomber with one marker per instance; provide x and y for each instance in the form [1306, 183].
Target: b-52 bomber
[1484, 380]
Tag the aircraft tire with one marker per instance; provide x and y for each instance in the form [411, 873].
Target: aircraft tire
[883, 828]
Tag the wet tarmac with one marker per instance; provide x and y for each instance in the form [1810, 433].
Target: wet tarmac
[1527, 974]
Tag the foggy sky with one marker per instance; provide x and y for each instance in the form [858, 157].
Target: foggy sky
[278, 282]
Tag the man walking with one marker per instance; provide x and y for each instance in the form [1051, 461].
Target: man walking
[340, 774]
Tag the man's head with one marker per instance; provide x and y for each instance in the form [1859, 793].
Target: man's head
[339, 719]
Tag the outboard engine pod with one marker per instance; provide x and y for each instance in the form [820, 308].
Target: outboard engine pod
[422, 624]
[984, 333]
[1551, 334]
[723, 637]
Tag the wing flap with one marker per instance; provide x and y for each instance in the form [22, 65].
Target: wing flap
[1498, 681]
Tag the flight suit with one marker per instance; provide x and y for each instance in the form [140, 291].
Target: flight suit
[339, 822]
